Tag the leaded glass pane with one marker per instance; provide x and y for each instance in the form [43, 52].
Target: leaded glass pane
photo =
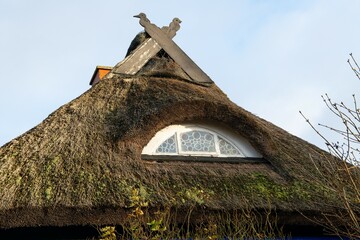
[168, 146]
[226, 148]
[197, 141]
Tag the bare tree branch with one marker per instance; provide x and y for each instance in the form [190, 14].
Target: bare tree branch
[343, 176]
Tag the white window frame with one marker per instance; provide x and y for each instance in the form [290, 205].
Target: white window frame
[239, 143]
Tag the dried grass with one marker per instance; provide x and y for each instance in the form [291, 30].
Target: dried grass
[79, 165]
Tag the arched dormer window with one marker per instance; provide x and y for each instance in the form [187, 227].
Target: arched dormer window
[200, 141]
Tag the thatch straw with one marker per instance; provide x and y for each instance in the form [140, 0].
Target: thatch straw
[81, 164]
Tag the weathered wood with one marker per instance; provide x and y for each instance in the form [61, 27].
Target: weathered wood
[135, 61]
[176, 53]
[161, 38]
[148, 49]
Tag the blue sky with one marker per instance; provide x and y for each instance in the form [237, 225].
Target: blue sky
[271, 57]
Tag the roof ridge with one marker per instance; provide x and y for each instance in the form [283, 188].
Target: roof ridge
[150, 43]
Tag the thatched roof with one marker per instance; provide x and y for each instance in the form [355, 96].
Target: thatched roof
[81, 164]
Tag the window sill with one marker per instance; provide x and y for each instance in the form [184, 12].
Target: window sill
[169, 158]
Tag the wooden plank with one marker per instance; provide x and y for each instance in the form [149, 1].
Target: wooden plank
[142, 54]
[135, 61]
[176, 53]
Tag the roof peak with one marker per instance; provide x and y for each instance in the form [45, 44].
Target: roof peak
[147, 45]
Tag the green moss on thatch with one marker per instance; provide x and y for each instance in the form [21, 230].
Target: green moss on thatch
[84, 159]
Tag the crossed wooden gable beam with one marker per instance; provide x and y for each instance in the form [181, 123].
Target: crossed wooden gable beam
[160, 39]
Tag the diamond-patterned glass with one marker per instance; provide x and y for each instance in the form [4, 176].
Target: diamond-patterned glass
[197, 141]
